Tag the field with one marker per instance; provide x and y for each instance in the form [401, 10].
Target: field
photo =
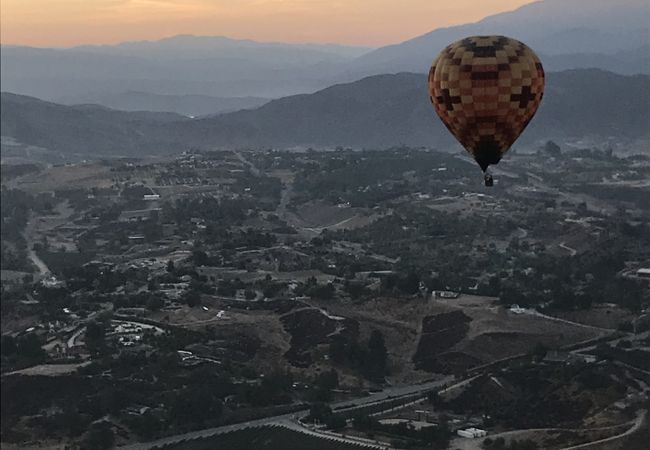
[67, 177]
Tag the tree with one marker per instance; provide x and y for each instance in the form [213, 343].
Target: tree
[95, 336]
[99, 437]
[409, 284]
[338, 349]
[200, 258]
[9, 347]
[195, 405]
[170, 266]
[377, 357]
[335, 422]
[319, 412]
[192, 298]
[152, 285]
[325, 383]
[539, 351]
[29, 346]
[155, 303]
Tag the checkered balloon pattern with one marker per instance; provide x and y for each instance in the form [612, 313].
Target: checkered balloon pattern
[486, 89]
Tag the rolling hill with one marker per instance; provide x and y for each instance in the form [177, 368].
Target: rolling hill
[375, 112]
[88, 130]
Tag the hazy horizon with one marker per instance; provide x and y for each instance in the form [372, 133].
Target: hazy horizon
[68, 23]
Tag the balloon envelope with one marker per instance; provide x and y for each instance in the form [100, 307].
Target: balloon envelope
[486, 89]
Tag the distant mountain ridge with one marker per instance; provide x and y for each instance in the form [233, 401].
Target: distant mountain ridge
[588, 29]
[567, 34]
[219, 46]
[376, 112]
[187, 105]
[181, 65]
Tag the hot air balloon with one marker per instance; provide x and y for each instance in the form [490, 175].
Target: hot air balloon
[486, 89]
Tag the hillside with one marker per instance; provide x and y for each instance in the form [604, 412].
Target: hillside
[388, 110]
[375, 112]
[85, 129]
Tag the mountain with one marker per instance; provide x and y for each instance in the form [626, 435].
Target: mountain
[190, 47]
[581, 31]
[388, 110]
[187, 105]
[567, 34]
[375, 112]
[182, 65]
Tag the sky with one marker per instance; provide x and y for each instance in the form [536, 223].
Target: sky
[63, 23]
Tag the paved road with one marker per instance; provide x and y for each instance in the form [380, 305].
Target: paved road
[569, 322]
[38, 262]
[572, 251]
[254, 170]
[476, 444]
[640, 418]
[72, 341]
[327, 435]
[388, 394]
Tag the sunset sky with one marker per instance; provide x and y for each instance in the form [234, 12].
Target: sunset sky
[61, 23]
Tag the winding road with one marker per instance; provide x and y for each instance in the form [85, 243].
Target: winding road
[386, 395]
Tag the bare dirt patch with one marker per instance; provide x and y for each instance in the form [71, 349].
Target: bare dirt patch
[439, 333]
[603, 316]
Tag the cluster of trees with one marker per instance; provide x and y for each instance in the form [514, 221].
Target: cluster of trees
[539, 396]
[274, 389]
[265, 189]
[224, 212]
[572, 282]
[370, 358]
[368, 178]
[312, 288]
[22, 351]
[407, 284]
[321, 413]
[323, 385]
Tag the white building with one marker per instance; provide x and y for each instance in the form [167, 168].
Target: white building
[516, 309]
[643, 272]
[472, 433]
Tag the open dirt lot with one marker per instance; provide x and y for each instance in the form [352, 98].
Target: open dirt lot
[492, 334]
[77, 176]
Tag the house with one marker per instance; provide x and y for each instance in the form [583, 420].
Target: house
[643, 272]
[151, 197]
[446, 294]
[137, 215]
[516, 309]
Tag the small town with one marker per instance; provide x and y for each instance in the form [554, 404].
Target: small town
[369, 299]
